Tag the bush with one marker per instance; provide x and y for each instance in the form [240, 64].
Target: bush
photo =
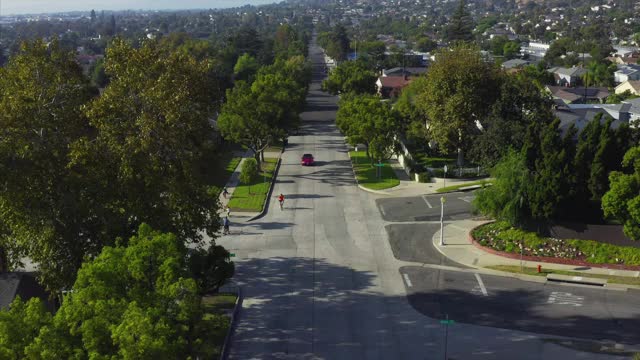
[424, 177]
[503, 237]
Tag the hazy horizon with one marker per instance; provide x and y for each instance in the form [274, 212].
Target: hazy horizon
[20, 7]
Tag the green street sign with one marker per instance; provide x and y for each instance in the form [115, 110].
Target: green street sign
[447, 322]
[232, 255]
[379, 164]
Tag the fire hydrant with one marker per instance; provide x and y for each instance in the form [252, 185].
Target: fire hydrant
[539, 268]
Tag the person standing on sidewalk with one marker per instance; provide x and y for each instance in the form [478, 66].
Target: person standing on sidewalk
[225, 192]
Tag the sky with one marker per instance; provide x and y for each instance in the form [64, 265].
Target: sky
[10, 7]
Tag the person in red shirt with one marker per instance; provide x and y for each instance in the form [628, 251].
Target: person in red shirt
[281, 201]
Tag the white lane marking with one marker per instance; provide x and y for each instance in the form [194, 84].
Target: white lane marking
[467, 198]
[484, 289]
[565, 298]
[428, 203]
[407, 280]
[382, 211]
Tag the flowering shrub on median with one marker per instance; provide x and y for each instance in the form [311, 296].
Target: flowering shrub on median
[503, 237]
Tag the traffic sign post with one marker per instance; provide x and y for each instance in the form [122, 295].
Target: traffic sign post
[446, 322]
[442, 201]
[445, 176]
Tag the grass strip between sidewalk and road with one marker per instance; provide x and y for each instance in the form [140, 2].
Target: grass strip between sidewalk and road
[460, 186]
[625, 280]
[366, 173]
[251, 197]
[215, 306]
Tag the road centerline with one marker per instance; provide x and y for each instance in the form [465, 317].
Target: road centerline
[482, 288]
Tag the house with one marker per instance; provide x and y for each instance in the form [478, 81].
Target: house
[626, 73]
[630, 85]
[579, 115]
[634, 111]
[579, 95]
[535, 49]
[391, 86]
[21, 284]
[567, 76]
[624, 51]
[515, 64]
[406, 71]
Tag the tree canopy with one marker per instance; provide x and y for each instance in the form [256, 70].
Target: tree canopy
[351, 77]
[622, 201]
[138, 301]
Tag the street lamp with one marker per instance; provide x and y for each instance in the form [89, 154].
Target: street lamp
[442, 200]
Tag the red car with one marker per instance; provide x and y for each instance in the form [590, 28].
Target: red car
[307, 159]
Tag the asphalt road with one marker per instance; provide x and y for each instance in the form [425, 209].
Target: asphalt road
[320, 280]
[457, 206]
[545, 308]
[413, 242]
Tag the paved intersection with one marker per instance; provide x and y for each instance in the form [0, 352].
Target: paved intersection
[320, 279]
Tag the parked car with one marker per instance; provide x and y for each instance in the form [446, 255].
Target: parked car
[307, 159]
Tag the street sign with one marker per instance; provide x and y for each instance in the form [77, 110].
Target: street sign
[445, 169]
[379, 164]
[447, 322]
[232, 255]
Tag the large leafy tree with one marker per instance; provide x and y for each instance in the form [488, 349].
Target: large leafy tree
[457, 94]
[351, 77]
[138, 301]
[246, 67]
[153, 138]
[366, 120]
[520, 103]
[622, 201]
[46, 211]
[335, 43]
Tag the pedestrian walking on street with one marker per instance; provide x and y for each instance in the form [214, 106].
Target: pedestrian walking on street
[227, 210]
[225, 192]
[225, 226]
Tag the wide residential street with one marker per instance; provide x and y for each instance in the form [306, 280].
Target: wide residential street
[341, 273]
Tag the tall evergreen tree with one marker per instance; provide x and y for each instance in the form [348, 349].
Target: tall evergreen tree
[461, 25]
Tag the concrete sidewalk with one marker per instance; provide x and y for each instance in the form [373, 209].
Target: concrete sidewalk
[459, 249]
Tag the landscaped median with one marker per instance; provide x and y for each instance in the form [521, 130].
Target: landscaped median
[366, 173]
[502, 239]
[251, 197]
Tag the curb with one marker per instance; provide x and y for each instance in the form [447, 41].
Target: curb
[224, 354]
[549, 260]
[355, 177]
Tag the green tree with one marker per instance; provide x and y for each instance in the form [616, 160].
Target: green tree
[605, 154]
[425, 44]
[511, 49]
[132, 302]
[20, 325]
[246, 67]
[211, 268]
[351, 76]
[366, 120]
[458, 92]
[537, 74]
[520, 104]
[461, 25]
[505, 199]
[46, 211]
[249, 172]
[153, 140]
[98, 76]
[336, 43]
[622, 201]
[497, 45]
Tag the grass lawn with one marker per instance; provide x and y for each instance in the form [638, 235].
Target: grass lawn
[244, 200]
[626, 280]
[216, 305]
[366, 173]
[459, 186]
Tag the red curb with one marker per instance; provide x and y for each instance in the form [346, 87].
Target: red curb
[547, 259]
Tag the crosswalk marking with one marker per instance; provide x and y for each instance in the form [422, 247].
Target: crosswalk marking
[407, 280]
[564, 298]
